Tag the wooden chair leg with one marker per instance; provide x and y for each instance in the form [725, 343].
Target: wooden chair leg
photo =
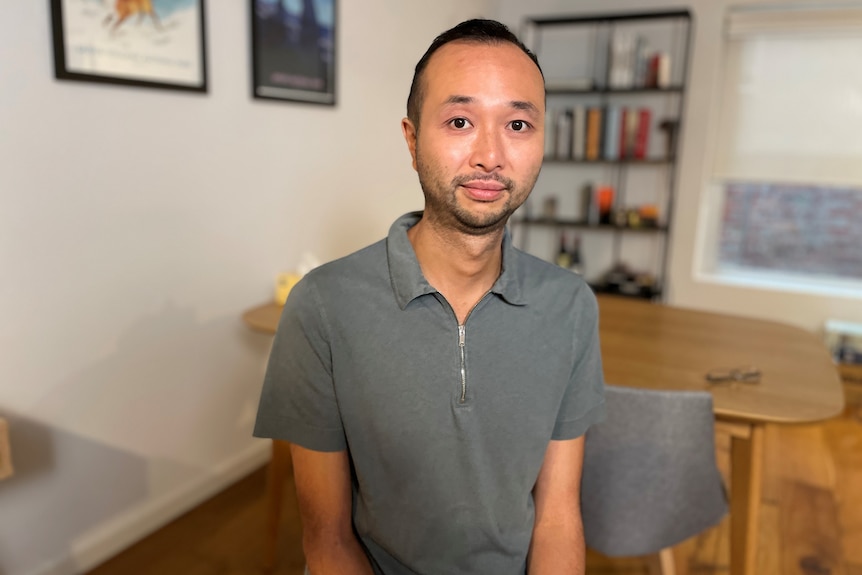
[279, 467]
[667, 561]
[746, 479]
[663, 563]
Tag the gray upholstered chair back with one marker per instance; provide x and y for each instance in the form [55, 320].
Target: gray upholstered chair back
[650, 479]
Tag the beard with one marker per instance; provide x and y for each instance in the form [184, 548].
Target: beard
[441, 198]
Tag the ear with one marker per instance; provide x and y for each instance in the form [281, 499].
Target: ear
[410, 133]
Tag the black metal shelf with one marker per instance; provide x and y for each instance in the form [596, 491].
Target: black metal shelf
[590, 85]
[559, 91]
[611, 17]
[584, 224]
[630, 161]
[643, 293]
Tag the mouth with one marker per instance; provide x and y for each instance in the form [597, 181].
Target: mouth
[484, 190]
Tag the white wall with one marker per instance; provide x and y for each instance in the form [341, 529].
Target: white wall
[135, 227]
[700, 131]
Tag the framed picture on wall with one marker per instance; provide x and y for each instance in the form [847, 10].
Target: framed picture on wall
[152, 43]
[293, 50]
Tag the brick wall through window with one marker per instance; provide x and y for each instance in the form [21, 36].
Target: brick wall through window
[812, 230]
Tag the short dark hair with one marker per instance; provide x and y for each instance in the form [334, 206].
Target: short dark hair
[479, 31]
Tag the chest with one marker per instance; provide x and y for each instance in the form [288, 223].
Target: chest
[419, 369]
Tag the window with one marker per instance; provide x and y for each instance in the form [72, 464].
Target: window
[792, 229]
[787, 179]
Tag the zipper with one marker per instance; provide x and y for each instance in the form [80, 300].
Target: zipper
[462, 344]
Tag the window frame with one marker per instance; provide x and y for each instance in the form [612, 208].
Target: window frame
[709, 225]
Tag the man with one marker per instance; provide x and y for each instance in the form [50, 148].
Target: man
[436, 385]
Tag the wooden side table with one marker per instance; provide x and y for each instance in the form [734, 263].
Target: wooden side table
[5, 451]
[264, 319]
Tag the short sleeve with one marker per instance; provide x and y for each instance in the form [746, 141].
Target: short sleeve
[584, 400]
[298, 402]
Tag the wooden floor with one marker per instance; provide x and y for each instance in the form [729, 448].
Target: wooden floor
[811, 518]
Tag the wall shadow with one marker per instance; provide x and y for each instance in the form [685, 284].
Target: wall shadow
[63, 485]
[166, 409]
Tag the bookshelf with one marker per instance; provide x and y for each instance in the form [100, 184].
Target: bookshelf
[615, 87]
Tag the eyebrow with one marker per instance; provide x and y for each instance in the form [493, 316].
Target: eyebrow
[525, 106]
[460, 100]
[515, 104]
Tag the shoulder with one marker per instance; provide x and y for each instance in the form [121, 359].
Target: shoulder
[363, 260]
[552, 285]
[341, 278]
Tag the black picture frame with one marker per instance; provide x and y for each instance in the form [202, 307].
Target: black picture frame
[293, 53]
[115, 43]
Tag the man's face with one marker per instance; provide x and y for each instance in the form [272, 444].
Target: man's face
[479, 149]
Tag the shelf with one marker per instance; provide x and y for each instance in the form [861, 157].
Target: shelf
[644, 161]
[612, 17]
[619, 75]
[552, 91]
[583, 224]
[647, 294]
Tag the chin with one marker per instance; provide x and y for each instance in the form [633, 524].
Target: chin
[479, 224]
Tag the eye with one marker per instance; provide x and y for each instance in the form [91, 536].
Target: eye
[519, 125]
[459, 123]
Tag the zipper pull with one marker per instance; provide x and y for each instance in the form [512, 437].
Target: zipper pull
[462, 335]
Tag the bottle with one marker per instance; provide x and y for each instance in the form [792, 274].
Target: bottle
[605, 201]
[564, 258]
[589, 208]
[575, 263]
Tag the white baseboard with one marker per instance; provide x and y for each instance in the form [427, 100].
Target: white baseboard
[102, 543]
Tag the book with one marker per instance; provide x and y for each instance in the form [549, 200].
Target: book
[658, 71]
[594, 134]
[624, 114]
[652, 72]
[612, 133]
[550, 133]
[641, 63]
[564, 135]
[644, 125]
[579, 132]
[662, 78]
[629, 131]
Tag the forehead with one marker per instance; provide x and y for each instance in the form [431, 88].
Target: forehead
[483, 71]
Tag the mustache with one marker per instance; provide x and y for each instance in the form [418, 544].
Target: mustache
[461, 180]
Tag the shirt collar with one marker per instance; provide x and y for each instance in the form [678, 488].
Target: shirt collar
[408, 282]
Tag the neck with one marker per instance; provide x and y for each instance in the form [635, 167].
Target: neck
[460, 266]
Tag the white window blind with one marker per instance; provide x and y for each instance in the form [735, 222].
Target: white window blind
[792, 102]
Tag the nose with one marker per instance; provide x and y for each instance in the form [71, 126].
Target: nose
[488, 153]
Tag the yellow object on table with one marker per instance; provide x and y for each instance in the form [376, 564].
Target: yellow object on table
[283, 284]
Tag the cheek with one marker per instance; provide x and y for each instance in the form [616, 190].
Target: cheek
[529, 155]
[446, 155]
[456, 150]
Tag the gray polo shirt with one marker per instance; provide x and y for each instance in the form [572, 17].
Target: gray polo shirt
[446, 425]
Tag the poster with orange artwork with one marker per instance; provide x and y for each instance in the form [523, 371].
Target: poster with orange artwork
[151, 43]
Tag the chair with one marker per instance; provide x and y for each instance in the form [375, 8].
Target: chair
[650, 479]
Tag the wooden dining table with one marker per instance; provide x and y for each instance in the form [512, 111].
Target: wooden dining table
[656, 346]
